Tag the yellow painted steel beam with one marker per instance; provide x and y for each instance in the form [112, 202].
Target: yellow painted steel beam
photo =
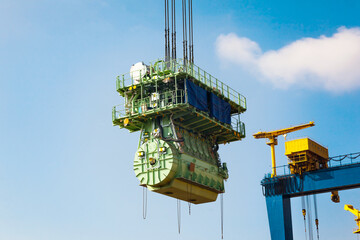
[282, 131]
[356, 212]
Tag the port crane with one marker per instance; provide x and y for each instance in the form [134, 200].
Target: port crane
[310, 173]
[272, 137]
[356, 212]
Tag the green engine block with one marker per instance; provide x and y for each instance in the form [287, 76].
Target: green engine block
[177, 163]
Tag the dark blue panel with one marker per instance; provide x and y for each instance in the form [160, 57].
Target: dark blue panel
[196, 96]
[219, 108]
[226, 112]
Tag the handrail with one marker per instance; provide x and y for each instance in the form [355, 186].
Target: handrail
[161, 69]
[336, 161]
[163, 101]
[347, 158]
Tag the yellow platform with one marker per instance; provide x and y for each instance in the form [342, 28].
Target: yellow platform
[186, 191]
[305, 144]
[305, 155]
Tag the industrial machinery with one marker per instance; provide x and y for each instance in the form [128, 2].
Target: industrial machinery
[305, 155]
[313, 175]
[183, 114]
[272, 136]
[356, 212]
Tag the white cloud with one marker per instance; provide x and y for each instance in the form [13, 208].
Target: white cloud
[331, 63]
[239, 50]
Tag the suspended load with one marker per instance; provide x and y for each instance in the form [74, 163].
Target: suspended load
[183, 114]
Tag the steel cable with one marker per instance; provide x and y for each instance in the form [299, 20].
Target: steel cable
[144, 202]
[304, 213]
[185, 38]
[222, 215]
[178, 214]
[316, 217]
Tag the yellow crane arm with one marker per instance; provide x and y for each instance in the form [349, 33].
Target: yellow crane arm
[356, 212]
[276, 133]
[351, 209]
[272, 136]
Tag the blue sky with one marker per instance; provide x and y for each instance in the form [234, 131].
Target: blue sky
[66, 172]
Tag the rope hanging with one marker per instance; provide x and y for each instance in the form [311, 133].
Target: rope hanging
[222, 215]
[185, 38]
[167, 30]
[308, 203]
[304, 213]
[178, 214]
[191, 33]
[316, 218]
[144, 202]
[173, 30]
[188, 190]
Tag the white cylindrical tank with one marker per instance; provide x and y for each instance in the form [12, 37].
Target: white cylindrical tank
[138, 71]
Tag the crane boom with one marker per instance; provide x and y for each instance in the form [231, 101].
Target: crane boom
[282, 131]
[272, 136]
[356, 212]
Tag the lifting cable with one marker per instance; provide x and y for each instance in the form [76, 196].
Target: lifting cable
[316, 218]
[144, 202]
[304, 213]
[222, 214]
[191, 33]
[173, 30]
[189, 194]
[178, 214]
[185, 44]
[308, 203]
[167, 30]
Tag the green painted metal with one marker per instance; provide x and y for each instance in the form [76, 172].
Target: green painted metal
[166, 98]
[160, 70]
[159, 162]
[177, 154]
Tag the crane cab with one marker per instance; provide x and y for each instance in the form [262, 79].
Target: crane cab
[305, 155]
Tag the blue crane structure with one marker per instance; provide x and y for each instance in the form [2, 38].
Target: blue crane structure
[279, 190]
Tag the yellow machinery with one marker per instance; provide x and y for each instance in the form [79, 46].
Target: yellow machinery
[356, 212]
[272, 136]
[305, 155]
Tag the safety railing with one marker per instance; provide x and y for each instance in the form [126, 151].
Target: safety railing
[341, 160]
[237, 125]
[158, 102]
[345, 159]
[155, 102]
[162, 69]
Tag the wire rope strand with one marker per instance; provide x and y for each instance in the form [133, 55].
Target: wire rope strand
[173, 29]
[178, 214]
[167, 30]
[222, 215]
[191, 33]
[304, 213]
[316, 217]
[144, 202]
[308, 203]
[189, 196]
[185, 38]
